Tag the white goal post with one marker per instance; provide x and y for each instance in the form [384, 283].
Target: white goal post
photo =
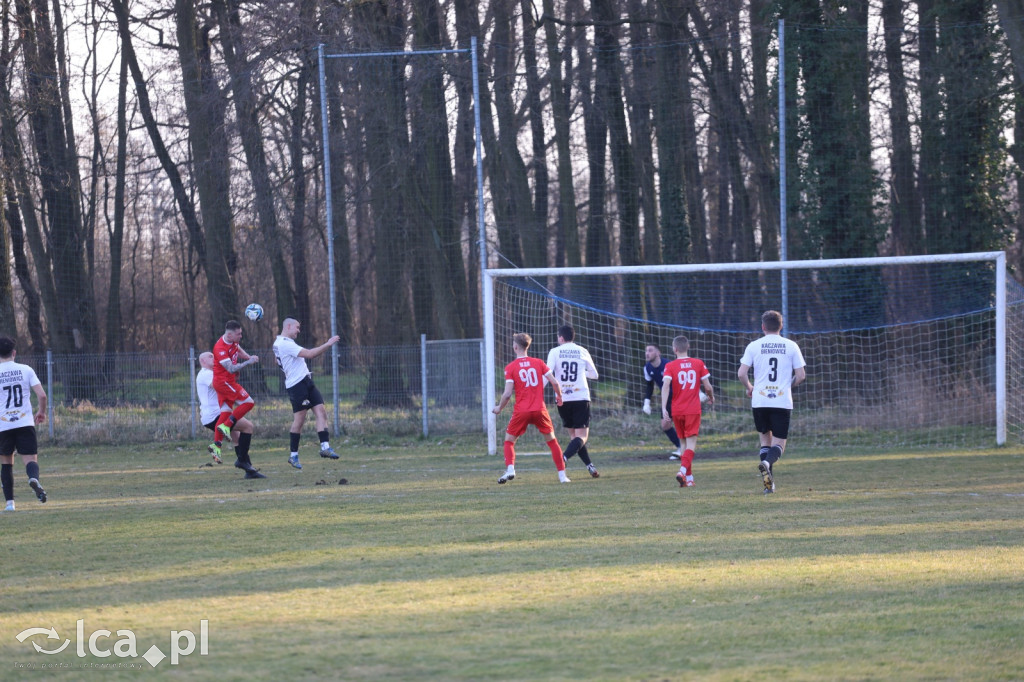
[908, 350]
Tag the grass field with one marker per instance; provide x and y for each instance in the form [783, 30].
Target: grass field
[862, 566]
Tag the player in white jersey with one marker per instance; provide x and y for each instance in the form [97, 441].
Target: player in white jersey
[572, 366]
[210, 409]
[778, 366]
[298, 381]
[17, 423]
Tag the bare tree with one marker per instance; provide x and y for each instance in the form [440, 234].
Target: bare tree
[240, 69]
[204, 106]
[72, 323]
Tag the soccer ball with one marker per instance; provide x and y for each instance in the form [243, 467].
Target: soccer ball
[254, 311]
[703, 397]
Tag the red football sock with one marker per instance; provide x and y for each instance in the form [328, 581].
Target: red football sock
[222, 419]
[556, 454]
[687, 460]
[510, 453]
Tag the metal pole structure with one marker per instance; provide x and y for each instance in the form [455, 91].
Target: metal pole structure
[488, 374]
[192, 388]
[328, 190]
[783, 255]
[49, 391]
[1001, 349]
[423, 381]
[486, 378]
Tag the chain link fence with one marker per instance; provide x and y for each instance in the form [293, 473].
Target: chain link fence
[431, 388]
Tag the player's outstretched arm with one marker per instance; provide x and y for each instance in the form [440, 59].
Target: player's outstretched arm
[310, 353]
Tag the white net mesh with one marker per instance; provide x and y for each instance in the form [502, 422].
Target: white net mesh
[915, 367]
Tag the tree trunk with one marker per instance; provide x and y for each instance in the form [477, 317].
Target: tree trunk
[568, 237]
[639, 106]
[1011, 19]
[930, 166]
[608, 92]
[903, 197]
[379, 26]
[595, 132]
[301, 308]
[74, 326]
[249, 129]
[439, 261]
[114, 328]
[519, 235]
[465, 183]
[204, 107]
[16, 199]
[535, 113]
[671, 67]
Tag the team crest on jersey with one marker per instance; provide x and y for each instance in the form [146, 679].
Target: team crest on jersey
[10, 417]
[567, 391]
[772, 392]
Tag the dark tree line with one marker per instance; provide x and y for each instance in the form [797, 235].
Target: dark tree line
[613, 132]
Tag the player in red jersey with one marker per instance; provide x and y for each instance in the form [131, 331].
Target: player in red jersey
[524, 376]
[685, 376]
[235, 402]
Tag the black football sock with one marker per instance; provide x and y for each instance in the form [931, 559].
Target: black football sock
[32, 469]
[572, 448]
[244, 440]
[584, 454]
[7, 479]
[774, 454]
[323, 436]
[294, 441]
[763, 453]
[673, 436]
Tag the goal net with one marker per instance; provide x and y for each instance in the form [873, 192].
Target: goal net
[901, 352]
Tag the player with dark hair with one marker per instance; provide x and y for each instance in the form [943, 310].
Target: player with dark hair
[302, 392]
[654, 370]
[572, 366]
[18, 425]
[525, 377]
[778, 366]
[235, 401]
[210, 411]
[683, 379]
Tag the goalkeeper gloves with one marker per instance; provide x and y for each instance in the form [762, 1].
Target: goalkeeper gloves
[647, 405]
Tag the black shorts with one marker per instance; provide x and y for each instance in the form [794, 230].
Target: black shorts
[305, 395]
[575, 414]
[22, 439]
[772, 419]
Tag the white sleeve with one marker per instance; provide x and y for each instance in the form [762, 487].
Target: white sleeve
[591, 367]
[550, 363]
[748, 356]
[798, 360]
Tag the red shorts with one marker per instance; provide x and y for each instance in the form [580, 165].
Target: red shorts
[687, 425]
[229, 392]
[539, 418]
